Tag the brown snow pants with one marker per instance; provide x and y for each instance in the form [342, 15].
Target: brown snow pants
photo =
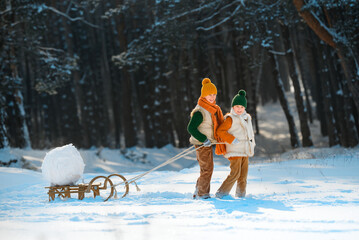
[239, 173]
[205, 161]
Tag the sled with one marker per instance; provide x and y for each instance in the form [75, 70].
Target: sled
[97, 185]
[108, 186]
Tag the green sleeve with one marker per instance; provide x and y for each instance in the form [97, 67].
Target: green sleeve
[192, 127]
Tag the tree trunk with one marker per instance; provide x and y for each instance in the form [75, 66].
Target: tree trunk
[332, 131]
[126, 93]
[162, 112]
[327, 99]
[303, 65]
[302, 111]
[294, 139]
[145, 93]
[343, 109]
[107, 88]
[96, 108]
[256, 87]
[179, 100]
[4, 142]
[20, 102]
[18, 132]
[78, 94]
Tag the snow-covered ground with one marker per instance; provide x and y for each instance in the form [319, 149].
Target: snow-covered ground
[315, 198]
[306, 193]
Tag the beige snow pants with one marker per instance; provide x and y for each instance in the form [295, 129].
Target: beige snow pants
[239, 173]
[205, 161]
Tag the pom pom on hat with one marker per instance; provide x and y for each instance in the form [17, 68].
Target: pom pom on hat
[240, 99]
[242, 92]
[206, 80]
[208, 88]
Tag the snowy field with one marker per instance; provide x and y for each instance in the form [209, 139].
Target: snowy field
[316, 198]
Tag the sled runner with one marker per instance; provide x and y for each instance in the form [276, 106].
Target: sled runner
[96, 185]
[65, 191]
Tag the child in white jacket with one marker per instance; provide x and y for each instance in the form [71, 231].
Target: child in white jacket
[237, 132]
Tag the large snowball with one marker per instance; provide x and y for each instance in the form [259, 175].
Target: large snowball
[63, 165]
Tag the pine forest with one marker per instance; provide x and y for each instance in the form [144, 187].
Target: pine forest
[124, 73]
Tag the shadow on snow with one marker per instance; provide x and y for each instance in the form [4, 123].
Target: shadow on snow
[248, 205]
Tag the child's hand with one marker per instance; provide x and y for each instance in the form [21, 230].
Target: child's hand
[207, 143]
[235, 141]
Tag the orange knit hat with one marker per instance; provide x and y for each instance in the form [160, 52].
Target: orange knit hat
[208, 88]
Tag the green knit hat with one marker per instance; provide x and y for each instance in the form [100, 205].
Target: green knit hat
[240, 99]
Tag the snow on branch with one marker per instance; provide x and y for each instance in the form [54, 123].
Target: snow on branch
[67, 16]
[277, 53]
[217, 12]
[42, 7]
[221, 22]
[50, 49]
[209, 5]
[5, 11]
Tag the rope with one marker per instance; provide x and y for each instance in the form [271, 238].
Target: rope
[171, 160]
[178, 156]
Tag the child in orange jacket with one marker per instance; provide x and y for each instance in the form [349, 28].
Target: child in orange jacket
[237, 132]
[205, 119]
